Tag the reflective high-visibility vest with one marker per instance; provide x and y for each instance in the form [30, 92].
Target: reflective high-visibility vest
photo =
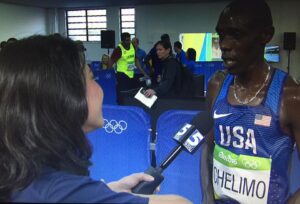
[126, 63]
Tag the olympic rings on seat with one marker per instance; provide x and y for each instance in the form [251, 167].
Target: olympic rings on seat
[114, 126]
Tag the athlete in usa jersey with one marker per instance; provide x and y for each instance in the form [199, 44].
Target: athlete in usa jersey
[251, 154]
[256, 114]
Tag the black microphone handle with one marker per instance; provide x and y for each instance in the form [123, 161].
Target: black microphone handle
[171, 157]
[148, 187]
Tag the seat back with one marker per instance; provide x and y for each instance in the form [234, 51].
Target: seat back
[107, 80]
[294, 172]
[183, 175]
[95, 66]
[121, 147]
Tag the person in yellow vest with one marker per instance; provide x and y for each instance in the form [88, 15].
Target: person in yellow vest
[125, 58]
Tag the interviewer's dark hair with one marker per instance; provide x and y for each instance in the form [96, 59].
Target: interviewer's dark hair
[2, 44]
[42, 111]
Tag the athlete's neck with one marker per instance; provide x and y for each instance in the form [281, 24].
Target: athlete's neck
[254, 75]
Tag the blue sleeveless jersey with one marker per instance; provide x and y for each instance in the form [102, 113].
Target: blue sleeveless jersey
[251, 154]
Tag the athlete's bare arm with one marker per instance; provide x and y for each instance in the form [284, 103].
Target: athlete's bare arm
[290, 119]
[115, 56]
[214, 86]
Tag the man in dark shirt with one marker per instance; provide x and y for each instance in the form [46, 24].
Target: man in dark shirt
[170, 83]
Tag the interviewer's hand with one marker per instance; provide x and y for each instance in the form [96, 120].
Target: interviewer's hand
[126, 183]
[149, 92]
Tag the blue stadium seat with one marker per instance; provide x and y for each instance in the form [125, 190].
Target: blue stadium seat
[107, 80]
[95, 66]
[183, 175]
[294, 172]
[121, 147]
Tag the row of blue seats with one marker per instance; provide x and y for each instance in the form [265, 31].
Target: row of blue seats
[107, 78]
[123, 147]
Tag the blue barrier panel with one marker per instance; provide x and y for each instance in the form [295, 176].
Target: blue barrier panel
[183, 175]
[208, 69]
[121, 147]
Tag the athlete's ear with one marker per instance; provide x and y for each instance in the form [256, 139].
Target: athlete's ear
[267, 34]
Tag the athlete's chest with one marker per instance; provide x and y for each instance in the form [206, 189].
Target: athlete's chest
[244, 128]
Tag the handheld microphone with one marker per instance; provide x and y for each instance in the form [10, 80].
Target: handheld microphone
[190, 137]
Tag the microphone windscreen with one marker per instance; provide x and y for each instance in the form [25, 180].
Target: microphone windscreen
[203, 122]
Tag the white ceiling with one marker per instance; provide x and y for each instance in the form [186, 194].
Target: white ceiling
[97, 3]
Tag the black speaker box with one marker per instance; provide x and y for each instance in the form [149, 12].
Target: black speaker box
[289, 41]
[107, 38]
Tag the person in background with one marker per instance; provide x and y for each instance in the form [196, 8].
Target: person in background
[44, 115]
[256, 114]
[191, 59]
[215, 50]
[180, 54]
[125, 57]
[141, 55]
[152, 60]
[104, 62]
[170, 84]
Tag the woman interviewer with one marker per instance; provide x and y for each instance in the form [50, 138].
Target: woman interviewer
[48, 100]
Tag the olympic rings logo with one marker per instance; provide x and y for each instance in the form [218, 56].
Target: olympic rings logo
[114, 126]
[251, 164]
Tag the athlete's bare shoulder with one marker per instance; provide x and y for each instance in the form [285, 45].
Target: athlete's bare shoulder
[217, 79]
[289, 110]
[291, 92]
